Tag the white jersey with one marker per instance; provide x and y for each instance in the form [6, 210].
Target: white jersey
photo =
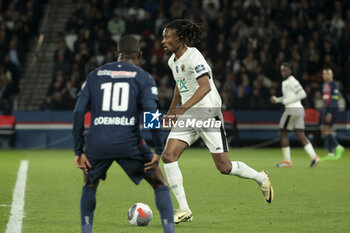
[290, 87]
[186, 70]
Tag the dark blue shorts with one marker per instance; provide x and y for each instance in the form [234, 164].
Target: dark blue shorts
[332, 120]
[134, 168]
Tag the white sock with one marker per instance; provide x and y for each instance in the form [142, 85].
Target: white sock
[286, 153]
[330, 154]
[175, 181]
[310, 150]
[243, 170]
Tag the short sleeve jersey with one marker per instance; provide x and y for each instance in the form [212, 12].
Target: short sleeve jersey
[187, 70]
[291, 87]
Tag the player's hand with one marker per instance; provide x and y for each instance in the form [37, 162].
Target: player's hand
[153, 163]
[169, 119]
[273, 99]
[172, 116]
[328, 118]
[82, 162]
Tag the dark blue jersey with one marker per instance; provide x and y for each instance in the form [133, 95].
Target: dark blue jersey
[117, 93]
[331, 97]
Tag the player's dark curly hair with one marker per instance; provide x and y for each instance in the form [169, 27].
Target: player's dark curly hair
[188, 31]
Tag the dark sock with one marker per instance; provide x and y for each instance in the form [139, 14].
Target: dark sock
[164, 204]
[330, 144]
[87, 208]
[334, 140]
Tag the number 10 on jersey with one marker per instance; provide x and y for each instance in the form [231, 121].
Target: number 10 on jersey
[116, 96]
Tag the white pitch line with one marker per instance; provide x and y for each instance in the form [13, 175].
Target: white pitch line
[15, 222]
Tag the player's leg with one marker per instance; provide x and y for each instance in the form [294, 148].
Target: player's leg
[163, 199]
[88, 195]
[300, 133]
[240, 169]
[285, 125]
[332, 141]
[173, 150]
[88, 204]
[284, 140]
[236, 168]
[216, 142]
[134, 168]
[299, 130]
[325, 130]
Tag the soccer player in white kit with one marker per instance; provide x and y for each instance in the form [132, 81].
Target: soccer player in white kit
[196, 92]
[293, 116]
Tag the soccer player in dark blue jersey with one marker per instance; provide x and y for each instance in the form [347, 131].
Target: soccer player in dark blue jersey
[330, 91]
[117, 93]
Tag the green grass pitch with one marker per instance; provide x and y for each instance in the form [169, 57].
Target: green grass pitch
[306, 200]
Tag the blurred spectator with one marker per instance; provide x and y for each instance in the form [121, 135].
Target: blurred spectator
[62, 49]
[116, 26]
[16, 56]
[242, 99]
[137, 11]
[233, 65]
[12, 73]
[6, 93]
[337, 24]
[318, 101]
[257, 101]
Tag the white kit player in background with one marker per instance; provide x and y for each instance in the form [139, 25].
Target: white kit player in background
[199, 98]
[293, 116]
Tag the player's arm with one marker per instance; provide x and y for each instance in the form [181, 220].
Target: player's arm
[151, 105]
[157, 136]
[203, 89]
[334, 99]
[176, 99]
[275, 99]
[299, 95]
[78, 124]
[171, 114]
[79, 111]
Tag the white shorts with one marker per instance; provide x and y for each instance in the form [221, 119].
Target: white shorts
[214, 139]
[292, 120]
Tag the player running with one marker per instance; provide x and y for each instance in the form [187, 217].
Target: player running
[330, 91]
[293, 116]
[118, 92]
[196, 91]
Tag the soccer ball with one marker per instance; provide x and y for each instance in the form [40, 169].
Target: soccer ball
[140, 214]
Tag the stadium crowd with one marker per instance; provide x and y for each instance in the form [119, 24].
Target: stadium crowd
[19, 22]
[245, 43]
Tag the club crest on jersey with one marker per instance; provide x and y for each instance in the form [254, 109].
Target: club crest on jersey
[177, 69]
[199, 68]
[182, 67]
[181, 83]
